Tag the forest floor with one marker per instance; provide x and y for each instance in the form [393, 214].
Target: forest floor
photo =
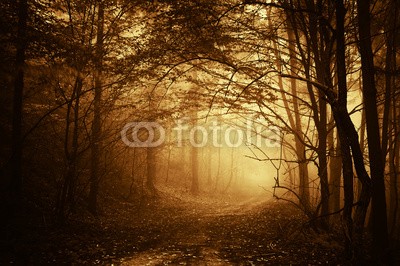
[179, 231]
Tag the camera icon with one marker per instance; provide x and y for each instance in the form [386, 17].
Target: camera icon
[143, 134]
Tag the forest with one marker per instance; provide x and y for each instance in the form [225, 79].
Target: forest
[199, 132]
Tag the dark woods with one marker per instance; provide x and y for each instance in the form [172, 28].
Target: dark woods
[323, 73]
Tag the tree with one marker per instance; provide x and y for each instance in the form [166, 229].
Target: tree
[16, 150]
[378, 211]
[344, 142]
[335, 171]
[194, 154]
[96, 124]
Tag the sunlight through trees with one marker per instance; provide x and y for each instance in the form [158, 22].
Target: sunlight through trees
[213, 112]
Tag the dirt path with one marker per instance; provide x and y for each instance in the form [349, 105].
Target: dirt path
[248, 233]
[191, 242]
[173, 231]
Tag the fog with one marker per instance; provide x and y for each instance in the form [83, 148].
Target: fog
[224, 132]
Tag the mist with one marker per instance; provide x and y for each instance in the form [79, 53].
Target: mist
[199, 132]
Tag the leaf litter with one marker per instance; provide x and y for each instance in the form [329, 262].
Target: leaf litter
[176, 231]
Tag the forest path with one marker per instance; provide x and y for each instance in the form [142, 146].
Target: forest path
[192, 239]
[178, 231]
[257, 231]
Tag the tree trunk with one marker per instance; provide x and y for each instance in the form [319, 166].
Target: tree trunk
[319, 41]
[219, 140]
[344, 141]
[96, 125]
[232, 166]
[168, 162]
[390, 118]
[349, 140]
[16, 149]
[335, 169]
[209, 165]
[295, 123]
[151, 170]
[65, 198]
[347, 171]
[390, 67]
[151, 151]
[362, 143]
[393, 178]
[378, 211]
[323, 161]
[194, 159]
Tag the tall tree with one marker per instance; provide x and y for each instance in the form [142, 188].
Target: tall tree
[16, 150]
[96, 125]
[378, 211]
[347, 165]
[194, 155]
[296, 124]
